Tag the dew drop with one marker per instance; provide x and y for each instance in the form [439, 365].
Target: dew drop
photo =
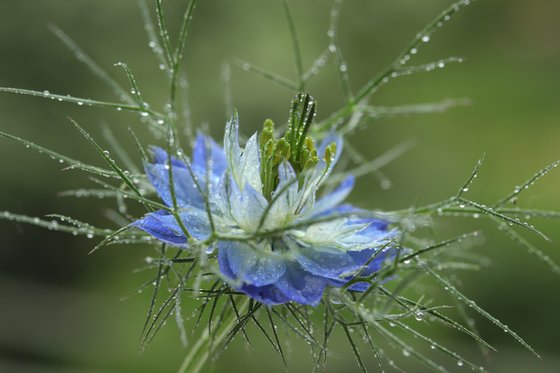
[425, 38]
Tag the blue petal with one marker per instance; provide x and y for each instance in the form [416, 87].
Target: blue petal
[156, 225]
[160, 157]
[200, 158]
[301, 286]
[250, 266]
[269, 294]
[324, 261]
[223, 262]
[380, 260]
[186, 192]
[165, 228]
[334, 198]
[347, 209]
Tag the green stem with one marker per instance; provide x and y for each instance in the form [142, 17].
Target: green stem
[198, 355]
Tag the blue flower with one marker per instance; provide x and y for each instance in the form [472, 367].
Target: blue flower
[288, 247]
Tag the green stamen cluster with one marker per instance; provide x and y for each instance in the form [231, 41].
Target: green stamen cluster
[295, 146]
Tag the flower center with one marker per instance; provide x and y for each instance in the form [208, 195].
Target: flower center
[279, 246]
[295, 146]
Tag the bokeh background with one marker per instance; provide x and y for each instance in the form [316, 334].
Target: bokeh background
[60, 309]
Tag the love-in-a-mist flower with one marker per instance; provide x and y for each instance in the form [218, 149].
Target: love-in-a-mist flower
[275, 240]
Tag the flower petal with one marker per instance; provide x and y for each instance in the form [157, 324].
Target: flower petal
[251, 266]
[379, 261]
[164, 226]
[245, 207]
[200, 157]
[347, 232]
[301, 286]
[160, 157]
[281, 209]
[369, 237]
[157, 225]
[328, 262]
[269, 294]
[186, 191]
[244, 165]
[250, 164]
[334, 198]
[231, 146]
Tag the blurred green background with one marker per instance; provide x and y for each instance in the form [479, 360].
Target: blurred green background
[60, 309]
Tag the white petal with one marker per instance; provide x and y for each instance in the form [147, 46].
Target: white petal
[250, 165]
[231, 147]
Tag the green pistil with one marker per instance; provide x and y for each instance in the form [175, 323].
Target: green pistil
[295, 146]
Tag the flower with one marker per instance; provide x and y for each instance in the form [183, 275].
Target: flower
[288, 246]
